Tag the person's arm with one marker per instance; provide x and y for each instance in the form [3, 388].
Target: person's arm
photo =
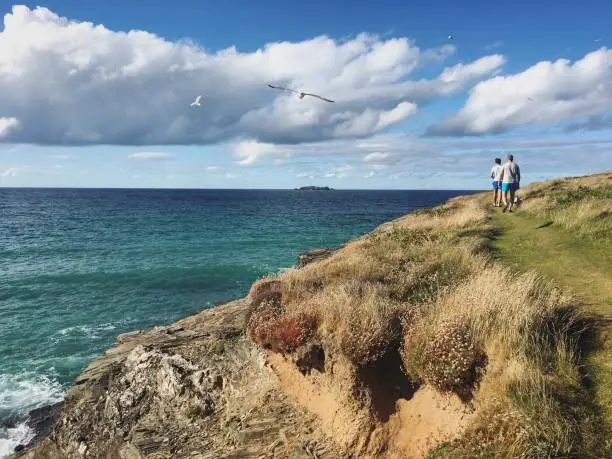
[501, 175]
[492, 174]
[518, 174]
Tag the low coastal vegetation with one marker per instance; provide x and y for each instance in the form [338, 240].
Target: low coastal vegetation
[422, 303]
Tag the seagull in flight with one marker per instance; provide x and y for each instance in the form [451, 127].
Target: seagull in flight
[597, 40]
[450, 36]
[197, 102]
[300, 93]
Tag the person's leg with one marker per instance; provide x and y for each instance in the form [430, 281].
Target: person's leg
[495, 191]
[505, 190]
[512, 192]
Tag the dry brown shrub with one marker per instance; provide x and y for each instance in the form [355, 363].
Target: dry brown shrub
[267, 306]
[263, 286]
[284, 334]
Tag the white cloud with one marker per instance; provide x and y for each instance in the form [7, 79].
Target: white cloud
[70, 82]
[9, 172]
[152, 155]
[376, 156]
[6, 125]
[250, 150]
[558, 91]
[212, 169]
[466, 72]
[342, 171]
[431, 163]
[231, 175]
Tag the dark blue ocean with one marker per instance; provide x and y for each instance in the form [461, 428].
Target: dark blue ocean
[80, 266]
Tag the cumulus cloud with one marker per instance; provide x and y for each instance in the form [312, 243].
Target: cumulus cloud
[76, 83]
[546, 92]
[152, 155]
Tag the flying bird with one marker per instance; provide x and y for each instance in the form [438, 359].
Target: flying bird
[197, 102]
[450, 36]
[530, 99]
[300, 93]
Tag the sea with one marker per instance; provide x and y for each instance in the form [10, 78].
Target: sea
[80, 266]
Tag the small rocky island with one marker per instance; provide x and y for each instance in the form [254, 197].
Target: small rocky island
[315, 188]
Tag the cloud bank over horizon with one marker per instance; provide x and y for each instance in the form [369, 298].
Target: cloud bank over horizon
[401, 112]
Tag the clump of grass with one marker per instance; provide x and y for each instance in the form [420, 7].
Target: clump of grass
[445, 358]
[529, 331]
[359, 321]
[582, 205]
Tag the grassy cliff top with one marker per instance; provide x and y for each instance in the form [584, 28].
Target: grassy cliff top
[502, 311]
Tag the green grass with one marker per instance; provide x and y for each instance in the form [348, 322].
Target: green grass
[578, 263]
[529, 243]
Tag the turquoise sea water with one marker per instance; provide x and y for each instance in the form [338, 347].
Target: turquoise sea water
[78, 267]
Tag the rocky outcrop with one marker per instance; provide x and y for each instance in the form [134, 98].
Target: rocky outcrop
[315, 255]
[194, 389]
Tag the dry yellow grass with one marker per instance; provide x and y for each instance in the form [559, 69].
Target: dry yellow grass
[425, 286]
[582, 205]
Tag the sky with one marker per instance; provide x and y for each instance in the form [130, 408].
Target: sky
[96, 95]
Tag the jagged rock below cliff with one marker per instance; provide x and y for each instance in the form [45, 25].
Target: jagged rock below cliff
[315, 255]
[195, 389]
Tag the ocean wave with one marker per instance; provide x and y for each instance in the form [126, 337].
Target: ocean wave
[19, 394]
[90, 331]
[23, 392]
[10, 437]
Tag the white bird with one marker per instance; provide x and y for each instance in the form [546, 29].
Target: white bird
[450, 37]
[197, 102]
[300, 93]
[598, 40]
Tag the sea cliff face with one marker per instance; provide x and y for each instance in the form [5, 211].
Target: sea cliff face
[196, 389]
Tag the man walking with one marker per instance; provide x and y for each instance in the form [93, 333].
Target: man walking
[496, 177]
[511, 179]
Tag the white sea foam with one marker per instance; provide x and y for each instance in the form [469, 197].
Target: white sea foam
[19, 394]
[91, 331]
[11, 437]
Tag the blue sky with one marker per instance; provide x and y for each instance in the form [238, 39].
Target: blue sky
[89, 105]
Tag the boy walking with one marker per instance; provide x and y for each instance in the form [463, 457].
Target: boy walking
[496, 177]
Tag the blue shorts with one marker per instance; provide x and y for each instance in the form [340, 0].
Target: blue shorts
[496, 185]
[509, 187]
